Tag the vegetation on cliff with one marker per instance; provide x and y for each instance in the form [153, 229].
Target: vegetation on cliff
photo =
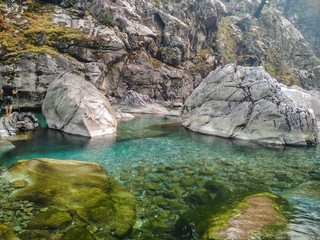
[33, 31]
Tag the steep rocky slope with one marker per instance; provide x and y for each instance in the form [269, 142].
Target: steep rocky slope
[159, 48]
[305, 16]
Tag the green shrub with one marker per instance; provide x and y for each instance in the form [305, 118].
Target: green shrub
[107, 18]
[157, 3]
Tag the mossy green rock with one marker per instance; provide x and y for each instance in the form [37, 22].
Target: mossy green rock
[7, 233]
[78, 233]
[257, 216]
[51, 219]
[74, 191]
[35, 234]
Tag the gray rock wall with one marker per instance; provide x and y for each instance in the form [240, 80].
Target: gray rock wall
[159, 48]
[305, 16]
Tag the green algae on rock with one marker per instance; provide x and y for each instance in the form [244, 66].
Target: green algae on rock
[74, 192]
[7, 233]
[78, 233]
[256, 216]
[50, 219]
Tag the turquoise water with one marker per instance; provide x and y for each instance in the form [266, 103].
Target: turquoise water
[170, 171]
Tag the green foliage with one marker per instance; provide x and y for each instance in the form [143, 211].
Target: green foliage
[163, 50]
[107, 18]
[228, 56]
[282, 74]
[231, 12]
[228, 42]
[155, 62]
[157, 3]
[19, 40]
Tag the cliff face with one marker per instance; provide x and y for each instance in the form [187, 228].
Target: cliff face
[305, 16]
[159, 48]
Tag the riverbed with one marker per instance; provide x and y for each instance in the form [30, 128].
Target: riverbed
[173, 171]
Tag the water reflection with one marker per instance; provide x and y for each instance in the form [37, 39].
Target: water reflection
[47, 143]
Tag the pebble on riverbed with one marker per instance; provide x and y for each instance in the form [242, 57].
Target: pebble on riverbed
[15, 214]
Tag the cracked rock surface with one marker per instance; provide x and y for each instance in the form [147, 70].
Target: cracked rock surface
[247, 103]
[17, 122]
[75, 106]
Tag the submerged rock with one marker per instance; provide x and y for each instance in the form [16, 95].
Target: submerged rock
[247, 103]
[307, 190]
[5, 146]
[71, 194]
[17, 122]
[256, 215]
[7, 233]
[75, 106]
[50, 219]
[305, 199]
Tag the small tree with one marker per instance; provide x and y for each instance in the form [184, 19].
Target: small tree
[287, 7]
[107, 18]
[259, 9]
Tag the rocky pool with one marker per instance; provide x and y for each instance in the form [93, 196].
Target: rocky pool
[177, 175]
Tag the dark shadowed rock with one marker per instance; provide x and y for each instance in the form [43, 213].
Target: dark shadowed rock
[246, 103]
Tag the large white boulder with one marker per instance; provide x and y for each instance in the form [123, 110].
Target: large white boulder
[247, 103]
[75, 106]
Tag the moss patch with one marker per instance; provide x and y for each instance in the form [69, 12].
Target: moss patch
[257, 215]
[51, 219]
[208, 221]
[78, 233]
[282, 74]
[7, 233]
[227, 41]
[20, 35]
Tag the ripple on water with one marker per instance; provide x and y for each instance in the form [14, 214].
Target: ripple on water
[305, 221]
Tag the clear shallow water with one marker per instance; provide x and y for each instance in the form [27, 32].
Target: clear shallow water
[170, 171]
